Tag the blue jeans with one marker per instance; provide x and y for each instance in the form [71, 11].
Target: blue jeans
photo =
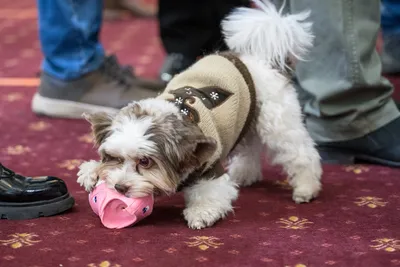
[390, 17]
[69, 36]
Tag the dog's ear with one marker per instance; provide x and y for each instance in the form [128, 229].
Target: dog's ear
[181, 142]
[204, 148]
[101, 126]
[196, 147]
[198, 150]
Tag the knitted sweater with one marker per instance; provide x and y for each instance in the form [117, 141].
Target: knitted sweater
[218, 94]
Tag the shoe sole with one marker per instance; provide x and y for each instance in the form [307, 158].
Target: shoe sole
[24, 211]
[64, 108]
[345, 157]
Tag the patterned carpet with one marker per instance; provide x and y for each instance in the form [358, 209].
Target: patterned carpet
[355, 221]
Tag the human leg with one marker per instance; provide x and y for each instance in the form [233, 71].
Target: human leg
[189, 29]
[76, 75]
[347, 103]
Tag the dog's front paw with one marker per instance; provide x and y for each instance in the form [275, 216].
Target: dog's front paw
[199, 217]
[306, 192]
[87, 175]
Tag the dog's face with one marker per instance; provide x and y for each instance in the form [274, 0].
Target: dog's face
[148, 148]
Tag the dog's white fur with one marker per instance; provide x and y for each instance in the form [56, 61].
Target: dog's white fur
[209, 200]
[265, 40]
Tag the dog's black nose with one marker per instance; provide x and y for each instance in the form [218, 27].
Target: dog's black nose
[120, 188]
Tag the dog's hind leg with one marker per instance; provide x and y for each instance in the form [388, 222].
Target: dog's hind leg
[280, 127]
[288, 144]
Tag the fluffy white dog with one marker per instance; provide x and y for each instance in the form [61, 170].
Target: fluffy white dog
[225, 108]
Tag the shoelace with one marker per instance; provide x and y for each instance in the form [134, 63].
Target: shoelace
[121, 74]
[5, 172]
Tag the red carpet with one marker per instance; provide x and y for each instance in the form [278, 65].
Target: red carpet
[355, 221]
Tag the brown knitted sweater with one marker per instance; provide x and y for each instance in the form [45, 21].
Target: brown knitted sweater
[218, 94]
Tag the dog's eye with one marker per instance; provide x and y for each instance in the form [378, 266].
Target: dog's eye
[145, 162]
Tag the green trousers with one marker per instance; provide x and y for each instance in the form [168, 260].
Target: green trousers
[340, 86]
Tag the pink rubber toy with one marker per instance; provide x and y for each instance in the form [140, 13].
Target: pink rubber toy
[117, 211]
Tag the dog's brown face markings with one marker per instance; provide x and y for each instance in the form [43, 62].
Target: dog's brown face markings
[178, 148]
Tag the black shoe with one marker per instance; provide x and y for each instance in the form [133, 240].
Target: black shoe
[379, 147]
[174, 64]
[27, 198]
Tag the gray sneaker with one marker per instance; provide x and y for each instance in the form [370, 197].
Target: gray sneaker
[108, 89]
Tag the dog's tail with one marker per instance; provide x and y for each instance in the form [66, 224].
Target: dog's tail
[268, 34]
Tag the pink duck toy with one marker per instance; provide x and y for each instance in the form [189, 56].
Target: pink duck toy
[117, 211]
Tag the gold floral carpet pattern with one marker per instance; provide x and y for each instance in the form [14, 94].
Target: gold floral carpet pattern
[355, 221]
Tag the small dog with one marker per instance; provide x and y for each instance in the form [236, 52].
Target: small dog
[224, 108]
